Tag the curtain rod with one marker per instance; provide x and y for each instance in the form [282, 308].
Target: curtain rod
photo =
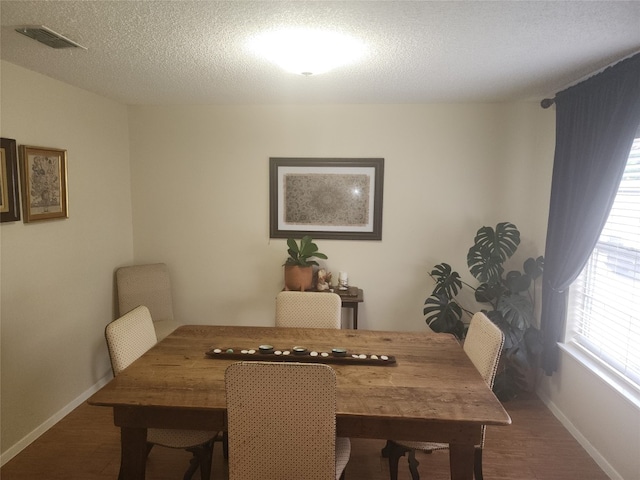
[547, 102]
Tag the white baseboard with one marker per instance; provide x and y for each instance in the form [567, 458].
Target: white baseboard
[50, 422]
[582, 440]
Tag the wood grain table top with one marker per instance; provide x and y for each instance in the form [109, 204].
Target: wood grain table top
[433, 382]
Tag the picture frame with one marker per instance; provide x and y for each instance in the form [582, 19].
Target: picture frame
[44, 183]
[9, 191]
[331, 198]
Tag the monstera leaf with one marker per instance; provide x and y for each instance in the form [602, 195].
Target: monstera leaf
[443, 315]
[534, 267]
[517, 282]
[491, 248]
[447, 282]
[517, 311]
[489, 292]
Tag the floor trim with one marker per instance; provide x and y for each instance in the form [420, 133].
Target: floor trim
[581, 439]
[51, 421]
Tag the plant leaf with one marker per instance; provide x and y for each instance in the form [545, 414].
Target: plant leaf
[517, 310]
[447, 282]
[488, 292]
[486, 267]
[443, 315]
[516, 282]
[534, 267]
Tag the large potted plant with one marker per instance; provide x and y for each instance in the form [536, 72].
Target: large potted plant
[510, 300]
[298, 268]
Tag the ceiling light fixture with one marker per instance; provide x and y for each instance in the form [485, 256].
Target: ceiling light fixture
[307, 52]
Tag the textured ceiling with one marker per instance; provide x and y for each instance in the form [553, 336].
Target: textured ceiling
[193, 52]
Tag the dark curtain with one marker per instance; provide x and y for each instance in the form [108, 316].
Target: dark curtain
[596, 122]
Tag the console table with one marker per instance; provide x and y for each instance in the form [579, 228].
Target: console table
[351, 298]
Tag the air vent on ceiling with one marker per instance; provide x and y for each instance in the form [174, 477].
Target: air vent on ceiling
[48, 37]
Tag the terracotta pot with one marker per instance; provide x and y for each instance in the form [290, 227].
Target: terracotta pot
[298, 278]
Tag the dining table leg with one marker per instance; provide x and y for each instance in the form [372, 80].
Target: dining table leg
[461, 461]
[133, 453]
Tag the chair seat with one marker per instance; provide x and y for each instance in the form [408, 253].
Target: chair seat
[343, 452]
[179, 438]
[423, 446]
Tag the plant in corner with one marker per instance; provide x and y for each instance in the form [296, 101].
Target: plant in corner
[298, 268]
[510, 304]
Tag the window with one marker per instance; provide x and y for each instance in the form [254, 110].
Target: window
[605, 300]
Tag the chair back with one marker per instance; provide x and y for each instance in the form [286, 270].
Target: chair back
[128, 337]
[483, 345]
[147, 285]
[281, 420]
[308, 309]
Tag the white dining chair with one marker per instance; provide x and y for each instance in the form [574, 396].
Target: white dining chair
[130, 336]
[148, 285]
[308, 309]
[281, 420]
[483, 345]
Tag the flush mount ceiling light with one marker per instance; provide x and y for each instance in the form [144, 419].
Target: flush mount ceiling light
[307, 52]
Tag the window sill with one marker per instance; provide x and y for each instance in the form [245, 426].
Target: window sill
[614, 380]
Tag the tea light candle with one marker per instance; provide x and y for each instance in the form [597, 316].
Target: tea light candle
[343, 280]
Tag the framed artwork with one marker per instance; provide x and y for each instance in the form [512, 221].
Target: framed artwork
[9, 192]
[337, 198]
[44, 183]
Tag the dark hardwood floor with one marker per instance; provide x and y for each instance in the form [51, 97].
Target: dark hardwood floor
[85, 446]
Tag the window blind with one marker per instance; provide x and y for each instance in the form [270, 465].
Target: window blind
[605, 306]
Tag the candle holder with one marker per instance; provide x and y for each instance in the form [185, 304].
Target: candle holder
[343, 281]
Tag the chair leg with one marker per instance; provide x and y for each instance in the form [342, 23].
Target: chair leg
[207, 459]
[413, 465]
[202, 457]
[386, 449]
[393, 452]
[477, 464]
[225, 445]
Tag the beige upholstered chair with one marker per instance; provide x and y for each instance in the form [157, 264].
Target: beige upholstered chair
[147, 285]
[483, 346]
[308, 309]
[281, 420]
[128, 338]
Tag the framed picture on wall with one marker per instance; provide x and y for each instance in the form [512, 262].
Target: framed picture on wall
[9, 191]
[338, 198]
[44, 183]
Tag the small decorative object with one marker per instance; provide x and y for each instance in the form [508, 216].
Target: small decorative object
[300, 354]
[44, 183]
[298, 269]
[9, 196]
[324, 280]
[343, 281]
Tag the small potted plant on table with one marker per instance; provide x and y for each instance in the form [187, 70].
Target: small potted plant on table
[298, 269]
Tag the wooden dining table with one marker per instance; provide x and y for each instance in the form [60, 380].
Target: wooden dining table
[426, 390]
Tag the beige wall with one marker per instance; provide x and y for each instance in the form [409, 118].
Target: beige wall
[200, 204]
[56, 276]
[200, 201]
